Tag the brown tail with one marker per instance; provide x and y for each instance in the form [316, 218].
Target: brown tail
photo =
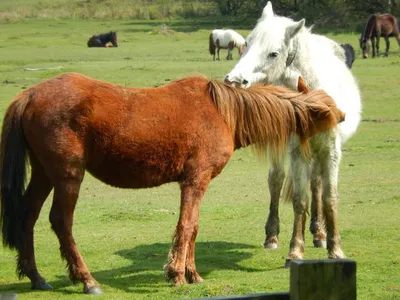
[13, 155]
[211, 46]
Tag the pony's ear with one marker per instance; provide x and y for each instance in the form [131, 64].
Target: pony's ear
[294, 29]
[301, 86]
[268, 12]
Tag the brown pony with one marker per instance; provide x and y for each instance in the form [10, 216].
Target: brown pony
[378, 25]
[182, 132]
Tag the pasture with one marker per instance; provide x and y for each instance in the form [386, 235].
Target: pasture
[125, 235]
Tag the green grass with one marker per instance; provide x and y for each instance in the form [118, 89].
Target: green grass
[124, 235]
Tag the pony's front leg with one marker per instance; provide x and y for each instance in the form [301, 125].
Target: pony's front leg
[191, 274]
[330, 165]
[181, 264]
[300, 171]
[387, 46]
[61, 217]
[229, 57]
[276, 176]
[377, 46]
[317, 222]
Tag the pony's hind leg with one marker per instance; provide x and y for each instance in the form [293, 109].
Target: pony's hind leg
[317, 221]
[181, 265]
[276, 176]
[61, 217]
[37, 191]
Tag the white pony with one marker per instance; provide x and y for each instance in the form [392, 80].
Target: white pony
[279, 50]
[226, 39]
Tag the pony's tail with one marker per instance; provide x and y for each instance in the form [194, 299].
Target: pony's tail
[211, 46]
[287, 189]
[13, 158]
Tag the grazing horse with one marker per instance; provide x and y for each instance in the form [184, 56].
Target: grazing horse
[226, 39]
[102, 40]
[378, 25]
[182, 132]
[350, 54]
[278, 51]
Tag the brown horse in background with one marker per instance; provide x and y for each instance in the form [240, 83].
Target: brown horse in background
[377, 26]
[182, 132]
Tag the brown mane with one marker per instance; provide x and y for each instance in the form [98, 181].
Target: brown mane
[266, 115]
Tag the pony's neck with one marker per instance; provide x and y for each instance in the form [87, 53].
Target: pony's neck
[368, 29]
[297, 63]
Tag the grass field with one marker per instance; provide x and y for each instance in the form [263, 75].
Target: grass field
[124, 235]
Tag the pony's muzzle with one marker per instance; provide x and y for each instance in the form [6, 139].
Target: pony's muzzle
[235, 83]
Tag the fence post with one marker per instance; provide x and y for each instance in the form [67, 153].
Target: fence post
[333, 279]
[8, 296]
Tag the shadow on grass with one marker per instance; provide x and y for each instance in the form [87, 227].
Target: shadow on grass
[145, 272]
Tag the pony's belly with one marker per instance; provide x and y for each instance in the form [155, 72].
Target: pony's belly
[134, 173]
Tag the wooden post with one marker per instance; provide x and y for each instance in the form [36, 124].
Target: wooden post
[333, 279]
[8, 296]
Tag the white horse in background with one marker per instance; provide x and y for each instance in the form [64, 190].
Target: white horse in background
[279, 50]
[226, 39]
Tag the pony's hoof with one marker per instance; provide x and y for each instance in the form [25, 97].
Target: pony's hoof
[319, 244]
[42, 286]
[179, 281]
[288, 262]
[271, 245]
[194, 279]
[96, 290]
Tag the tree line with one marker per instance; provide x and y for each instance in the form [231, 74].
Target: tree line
[349, 14]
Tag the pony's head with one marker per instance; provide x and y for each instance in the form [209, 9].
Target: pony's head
[365, 46]
[270, 50]
[113, 38]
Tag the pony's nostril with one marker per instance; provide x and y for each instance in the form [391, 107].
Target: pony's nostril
[244, 81]
[226, 80]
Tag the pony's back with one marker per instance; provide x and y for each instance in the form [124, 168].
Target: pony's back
[328, 71]
[235, 37]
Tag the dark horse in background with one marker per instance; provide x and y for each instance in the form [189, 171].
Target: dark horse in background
[182, 132]
[102, 40]
[377, 26]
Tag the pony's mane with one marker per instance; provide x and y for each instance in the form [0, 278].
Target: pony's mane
[367, 31]
[266, 115]
[238, 40]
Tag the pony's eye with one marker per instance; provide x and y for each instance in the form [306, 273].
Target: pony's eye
[273, 54]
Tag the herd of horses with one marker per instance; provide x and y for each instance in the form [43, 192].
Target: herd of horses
[291, 92]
